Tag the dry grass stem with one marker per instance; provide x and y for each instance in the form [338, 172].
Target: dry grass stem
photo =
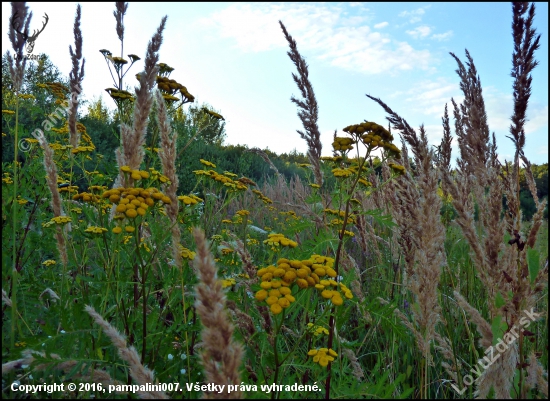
[133, 139]
[308, 108]
[221, 356]
[5, 298]
[51, 179]
[20, 19]
[76, 76]
[536, 375]
[139, 373]
[167, 155]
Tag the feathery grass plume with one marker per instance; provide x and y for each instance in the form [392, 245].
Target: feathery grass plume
[133, 139]
[356, 366]
[51, 293]
[246, 258]
[121, 8]
[523, 63]
[445, 348]
[418, 199]
[76, 76]
[244, 321]
[221, 356]
[95, 376]
[51, 179]
[167, 155]
[501, 267]
[266, 158]
[19, 22]
[12, 365]
[536, 375]
[5, 298]
[541, 206]
[139, 373]
[476, 180]
[308, 108]
[499, 375]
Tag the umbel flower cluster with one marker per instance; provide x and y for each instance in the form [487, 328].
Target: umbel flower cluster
[225, 179]
[372, 135]
[323, 356]
[133, 202]
[315, 272]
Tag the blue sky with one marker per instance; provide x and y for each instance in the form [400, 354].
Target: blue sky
[233, 56]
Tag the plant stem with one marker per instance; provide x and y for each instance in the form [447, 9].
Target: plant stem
[14, 204]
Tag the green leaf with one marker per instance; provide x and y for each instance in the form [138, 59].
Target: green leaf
[498, 327]
[533, 261]
[499, 300]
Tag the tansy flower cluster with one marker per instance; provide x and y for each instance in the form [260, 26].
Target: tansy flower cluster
[59, 220]
[277, 240]
[342, 144]
[7, 179]
[209, 164]
[262, 197]
[305, 273]
[317, 330]
[342, 172]
[87, 197]
[397, 168]
[119, 95]
[341, 214]
[157, 176]
[213, 113]
[277, 298]
[132, 202]
[228, 282]
[334, 159]
[322, 356]
[170, 87]
[190, 199]
[186, 253]
[59, 90]
[67, 188]
[328, 291]
[95, 230]
[374, 136]
[49, 262]
[226, 181]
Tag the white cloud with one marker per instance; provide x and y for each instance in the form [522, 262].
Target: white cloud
[414, 15]
[537, 118]
[381, 25]
[342, 41]
[428, 98]
[442, 36]
[420, 32]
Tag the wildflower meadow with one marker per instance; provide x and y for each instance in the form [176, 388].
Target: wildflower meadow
[142, 258]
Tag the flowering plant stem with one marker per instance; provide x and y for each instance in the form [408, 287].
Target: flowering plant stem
[14, 214]
[332, 320]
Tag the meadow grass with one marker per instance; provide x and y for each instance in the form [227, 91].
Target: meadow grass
[374, 277]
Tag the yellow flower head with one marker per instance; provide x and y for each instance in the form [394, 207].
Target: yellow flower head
[95, 230]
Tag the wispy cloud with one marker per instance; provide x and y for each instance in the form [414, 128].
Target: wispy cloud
[442, 36]
[427, 98]
[381, 25]
[420, 32]
[414, 15]
[342, 41]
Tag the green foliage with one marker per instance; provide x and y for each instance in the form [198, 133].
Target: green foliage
[127, 271]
